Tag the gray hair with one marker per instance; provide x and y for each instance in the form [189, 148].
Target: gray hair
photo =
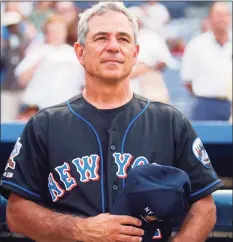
[99, 9]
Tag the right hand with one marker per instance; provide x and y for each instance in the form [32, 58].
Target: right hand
[112, 228]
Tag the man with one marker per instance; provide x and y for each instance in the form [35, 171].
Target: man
[72, 159]
[205, 67]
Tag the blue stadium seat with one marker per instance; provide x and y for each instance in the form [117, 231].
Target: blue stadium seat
[223, 202]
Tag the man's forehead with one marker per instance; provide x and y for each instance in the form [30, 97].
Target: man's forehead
[110, 23]
[111, 31]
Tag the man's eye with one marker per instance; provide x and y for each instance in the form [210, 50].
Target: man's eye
[101, 38]
[124, 39]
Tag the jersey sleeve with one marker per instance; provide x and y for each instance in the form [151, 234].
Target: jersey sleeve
[192, 157]
[25, 171]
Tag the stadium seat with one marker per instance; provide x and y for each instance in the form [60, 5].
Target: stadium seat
[223, 202]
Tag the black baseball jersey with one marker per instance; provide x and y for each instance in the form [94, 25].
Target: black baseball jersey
[75, 158]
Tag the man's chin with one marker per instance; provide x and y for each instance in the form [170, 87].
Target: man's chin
[113, 76]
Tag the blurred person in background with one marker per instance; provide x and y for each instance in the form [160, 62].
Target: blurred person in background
[29, 31]
[205, 66]
[70, 12]
[50, 72]
[154, 57]
[13, 44]
[40, 13]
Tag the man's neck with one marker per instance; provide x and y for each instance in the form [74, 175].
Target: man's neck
[221, 37]
[107, 96]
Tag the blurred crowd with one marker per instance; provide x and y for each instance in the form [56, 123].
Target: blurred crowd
[39, 67]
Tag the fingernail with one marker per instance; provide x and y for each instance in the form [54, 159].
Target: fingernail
[140, 239]
[143, 232]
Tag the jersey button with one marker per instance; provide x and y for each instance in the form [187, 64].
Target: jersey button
[112, 147]
[115, 187]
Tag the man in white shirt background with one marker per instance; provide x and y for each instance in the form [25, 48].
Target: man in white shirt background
[206, 64]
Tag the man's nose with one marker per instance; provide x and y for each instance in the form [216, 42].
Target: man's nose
[113, 45]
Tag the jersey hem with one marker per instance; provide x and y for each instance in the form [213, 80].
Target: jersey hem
[9, 187]
[209, 189]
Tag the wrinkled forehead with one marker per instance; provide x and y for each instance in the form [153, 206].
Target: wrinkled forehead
[110, 22]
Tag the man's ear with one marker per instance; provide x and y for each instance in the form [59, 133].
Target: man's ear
[136, 51]
[79, 50]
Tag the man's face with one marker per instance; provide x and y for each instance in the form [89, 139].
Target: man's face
[110, 51]
[220, 17]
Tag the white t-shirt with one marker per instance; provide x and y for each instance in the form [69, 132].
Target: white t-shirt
[206, 63]
[58, 76]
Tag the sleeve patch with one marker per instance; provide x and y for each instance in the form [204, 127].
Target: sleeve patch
[15, 152]
[200, 153]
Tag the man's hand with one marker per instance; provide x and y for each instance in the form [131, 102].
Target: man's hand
[114, 228]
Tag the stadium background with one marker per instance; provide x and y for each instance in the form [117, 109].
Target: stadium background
[185, 21]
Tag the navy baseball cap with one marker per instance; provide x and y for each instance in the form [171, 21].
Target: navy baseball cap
[157, 195]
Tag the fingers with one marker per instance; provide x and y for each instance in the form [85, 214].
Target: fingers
[122, 219]
[130, 230]
[123, 238]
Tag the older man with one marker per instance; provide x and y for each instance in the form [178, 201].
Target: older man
[71, 161]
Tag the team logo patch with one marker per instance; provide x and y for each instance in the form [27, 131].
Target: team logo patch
[200, 152]
[11, 163]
